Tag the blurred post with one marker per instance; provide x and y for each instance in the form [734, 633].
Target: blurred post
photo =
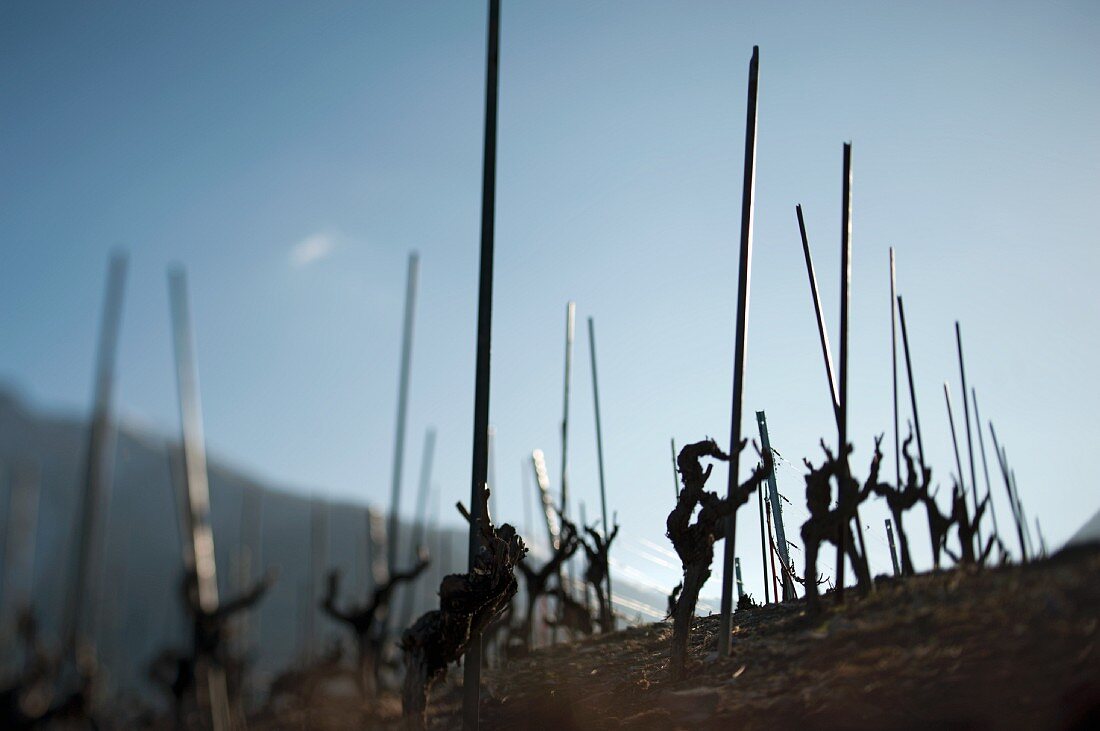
[198, 489]
[98, 464]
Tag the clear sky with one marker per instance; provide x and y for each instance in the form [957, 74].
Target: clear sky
[292, 154]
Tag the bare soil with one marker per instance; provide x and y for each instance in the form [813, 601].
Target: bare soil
[1006, 647]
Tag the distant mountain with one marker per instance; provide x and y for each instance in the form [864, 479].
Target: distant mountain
[1088, 533]
[137, 607]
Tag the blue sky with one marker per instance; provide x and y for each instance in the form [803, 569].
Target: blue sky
[291, 155]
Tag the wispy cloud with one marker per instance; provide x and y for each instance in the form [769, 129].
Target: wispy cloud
[312, 249]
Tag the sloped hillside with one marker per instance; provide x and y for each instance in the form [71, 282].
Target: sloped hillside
[1011, 647]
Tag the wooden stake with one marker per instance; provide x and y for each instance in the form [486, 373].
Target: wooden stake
[748, 190]
[472, 664]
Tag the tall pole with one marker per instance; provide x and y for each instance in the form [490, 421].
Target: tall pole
[969, 439]
[777, 510]
[894, 364]
[402, 407]
[748, 190]
[599, 456]
[98, 464]
[822, 333]
[842, 384]
[480, 457]
[985, 464]
[909, 374]
[567, 382]
[195, 476]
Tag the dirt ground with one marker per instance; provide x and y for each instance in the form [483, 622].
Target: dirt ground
[1010, 647]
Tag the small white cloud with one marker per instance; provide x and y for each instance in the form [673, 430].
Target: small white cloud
[311, 249]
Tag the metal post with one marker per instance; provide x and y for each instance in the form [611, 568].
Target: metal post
[198, 488]
[894, 365]
[777, 509]
[893, 549]
[570, 327]
[402, 408]
[98, 464]
[763, 545]
[748, 190]
[821, 331]
[842, 384]
[1003, 462]
[954, 439]
[740, 584]
[909, 374]
[599, 458]
[969, 439]
[771, 555]
[567, 382]
[480, 457]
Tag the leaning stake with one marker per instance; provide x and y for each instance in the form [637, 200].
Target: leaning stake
[748, 188]
[969, 438]
[985, 466]
[480, 457]
[599, 458]
[909, 375]
[821, 331]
